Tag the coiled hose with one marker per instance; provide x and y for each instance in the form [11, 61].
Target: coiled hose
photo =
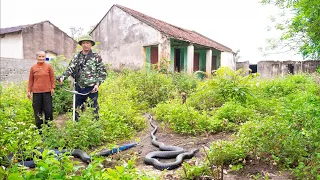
[167, 152]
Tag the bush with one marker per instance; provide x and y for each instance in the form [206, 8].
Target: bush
[183, 119]
[226, 85]
[185, 82]
[287, 132]
[234, 112]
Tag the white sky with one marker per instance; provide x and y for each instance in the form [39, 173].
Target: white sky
[238, 24]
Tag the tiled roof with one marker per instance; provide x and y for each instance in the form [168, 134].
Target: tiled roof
[11, 29]
[174, 31]
[18, 28]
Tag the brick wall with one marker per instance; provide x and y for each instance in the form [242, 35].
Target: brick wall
[15, 70]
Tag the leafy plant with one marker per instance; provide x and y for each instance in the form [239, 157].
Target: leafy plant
[300, 28]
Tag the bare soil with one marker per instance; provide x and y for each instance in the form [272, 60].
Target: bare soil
[253, 169]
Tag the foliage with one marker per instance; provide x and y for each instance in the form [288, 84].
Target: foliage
[59, 64]
[17, 133]
[194, 171]
[183, 119]
[89, 132]
[226, 152]
[164, 66]
[62, 167]
[274, 120]
[235, 113]
[150, 87]
[62, 100]
[220, 154]
[185, 82]
[302, 27]
[285, 135]
[226, 85]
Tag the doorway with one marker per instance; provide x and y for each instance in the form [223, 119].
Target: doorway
[290, 69]
[196, 64]
[177, 60]
[154, 55]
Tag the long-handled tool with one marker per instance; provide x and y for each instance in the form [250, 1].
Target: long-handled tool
[74, 97]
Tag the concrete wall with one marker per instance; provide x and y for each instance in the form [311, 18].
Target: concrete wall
[15, 70]
[164, 48]
[47, 37]
[11, 45]
[268, 69]
[122, 38]
[243, 65]
[310, 66]
[227, 59]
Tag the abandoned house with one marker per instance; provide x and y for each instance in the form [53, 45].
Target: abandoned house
[23, 42]
[131, 39]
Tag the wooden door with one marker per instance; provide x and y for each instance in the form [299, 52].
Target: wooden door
[214, 63]
[154, 55]
[196, 58]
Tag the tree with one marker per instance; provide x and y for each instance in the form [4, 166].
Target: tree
[301, 26]
[76, 32]
[236, 55]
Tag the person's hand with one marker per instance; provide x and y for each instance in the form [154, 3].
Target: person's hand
[60, 81]
[29, 95]
[52, 92]
[95, 89]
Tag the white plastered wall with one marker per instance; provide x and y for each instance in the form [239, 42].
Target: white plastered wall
[11, 45]
[228, 60]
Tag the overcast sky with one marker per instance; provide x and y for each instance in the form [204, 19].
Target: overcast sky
[240, 25]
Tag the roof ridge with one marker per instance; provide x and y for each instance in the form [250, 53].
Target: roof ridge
[118, 5]
[170, 30]
[21, 27]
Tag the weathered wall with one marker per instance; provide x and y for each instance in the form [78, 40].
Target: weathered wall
[45, 36]
[11, 45]
[164, 48]
[122, 38]
[15, 70]
[243, 65]
[268, 69]
[310, 66]
[227, 59]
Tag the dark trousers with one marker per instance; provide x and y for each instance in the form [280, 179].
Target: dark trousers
[42, 103]
[81, 99]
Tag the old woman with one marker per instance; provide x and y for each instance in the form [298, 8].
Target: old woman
[41, 87]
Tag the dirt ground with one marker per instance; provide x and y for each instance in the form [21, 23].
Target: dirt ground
[252, 169]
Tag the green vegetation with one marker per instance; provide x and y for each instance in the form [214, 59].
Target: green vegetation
[276, 121]
[300, 26]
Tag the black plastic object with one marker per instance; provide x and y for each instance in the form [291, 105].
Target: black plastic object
[76, 153]
[167, 152]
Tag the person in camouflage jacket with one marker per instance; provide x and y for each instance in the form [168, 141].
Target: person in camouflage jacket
[88, 71]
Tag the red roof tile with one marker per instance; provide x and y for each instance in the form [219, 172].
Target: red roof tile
[174, 31]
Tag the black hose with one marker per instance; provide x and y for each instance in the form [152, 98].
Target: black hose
[76, 153]
[166, 152]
